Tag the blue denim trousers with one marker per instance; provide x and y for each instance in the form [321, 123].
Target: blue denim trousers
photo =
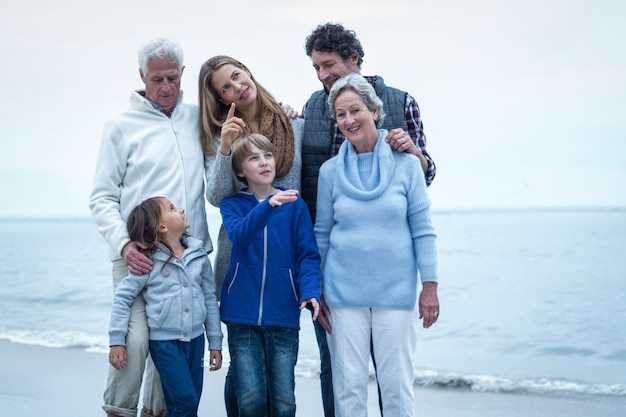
[180, 365]
[326, 373]
[262, 362]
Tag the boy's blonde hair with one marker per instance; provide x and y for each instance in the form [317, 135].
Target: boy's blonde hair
[242, 148]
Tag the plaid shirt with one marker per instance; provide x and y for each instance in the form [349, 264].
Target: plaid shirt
[415, 130]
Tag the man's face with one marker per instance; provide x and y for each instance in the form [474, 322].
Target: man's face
[162, 82]
[330, 67]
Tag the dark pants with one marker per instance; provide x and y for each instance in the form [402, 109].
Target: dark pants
[326, 372]
[180, 365]
[260, 379]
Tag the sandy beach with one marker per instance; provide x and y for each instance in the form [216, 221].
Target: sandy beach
[39, 381]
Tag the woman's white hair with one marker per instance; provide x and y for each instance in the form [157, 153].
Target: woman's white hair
[363, 88]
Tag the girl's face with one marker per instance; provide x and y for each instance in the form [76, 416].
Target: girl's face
[259, 168]
[172, 218]
[356, 121]
[234, 85]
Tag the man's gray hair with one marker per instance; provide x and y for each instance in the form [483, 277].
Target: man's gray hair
[363, 88]
[160, 48]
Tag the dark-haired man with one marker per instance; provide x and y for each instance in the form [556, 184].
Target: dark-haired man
[335, 52]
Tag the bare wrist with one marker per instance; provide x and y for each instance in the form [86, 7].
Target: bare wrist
[430, 285]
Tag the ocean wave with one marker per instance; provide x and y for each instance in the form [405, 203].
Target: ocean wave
[57, 339]
[308, 367]
[497, 384]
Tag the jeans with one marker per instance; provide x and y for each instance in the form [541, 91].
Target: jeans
[121, 395]
[326, 373]
[230, 397]
[263, 359]
[180, 365]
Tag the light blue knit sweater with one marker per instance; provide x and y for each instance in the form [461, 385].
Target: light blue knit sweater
[373, 228]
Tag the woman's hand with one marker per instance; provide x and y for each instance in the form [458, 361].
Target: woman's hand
[323, 316]
[232, 128]
[429, 304]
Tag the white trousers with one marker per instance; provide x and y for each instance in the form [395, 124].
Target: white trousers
[121, 396]
[393, 334]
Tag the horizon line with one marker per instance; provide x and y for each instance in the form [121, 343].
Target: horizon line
[433, 211]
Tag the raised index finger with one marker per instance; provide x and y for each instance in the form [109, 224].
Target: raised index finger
[231, 111]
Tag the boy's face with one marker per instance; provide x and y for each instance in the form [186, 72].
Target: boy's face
[259, 168]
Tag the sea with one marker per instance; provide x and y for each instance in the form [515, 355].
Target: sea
[533, 301]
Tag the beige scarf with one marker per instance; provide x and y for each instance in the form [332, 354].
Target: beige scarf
[276, 127]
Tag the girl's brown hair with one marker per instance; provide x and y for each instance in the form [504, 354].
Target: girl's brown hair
[143, 226]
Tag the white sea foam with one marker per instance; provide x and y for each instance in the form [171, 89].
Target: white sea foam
[57, 339]
[308, 367]
[498, 384]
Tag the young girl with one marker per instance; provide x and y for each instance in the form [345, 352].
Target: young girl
[181, 304]
[274, 273]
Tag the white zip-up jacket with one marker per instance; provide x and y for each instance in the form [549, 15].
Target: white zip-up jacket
[143, 154]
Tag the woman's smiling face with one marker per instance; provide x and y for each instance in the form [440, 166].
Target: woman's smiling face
[234, 85]
[356, 121]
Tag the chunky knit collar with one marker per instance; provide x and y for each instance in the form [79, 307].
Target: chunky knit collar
[347, 170]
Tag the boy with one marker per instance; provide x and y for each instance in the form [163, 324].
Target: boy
[274, 273]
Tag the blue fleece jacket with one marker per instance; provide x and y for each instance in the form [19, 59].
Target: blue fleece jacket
[274, 264]
[181, 302]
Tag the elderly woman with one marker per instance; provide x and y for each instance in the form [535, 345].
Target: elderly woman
[375, 235]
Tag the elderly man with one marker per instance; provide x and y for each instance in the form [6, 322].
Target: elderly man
[149, 148]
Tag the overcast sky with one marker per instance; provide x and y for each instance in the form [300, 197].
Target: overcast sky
[523, 102]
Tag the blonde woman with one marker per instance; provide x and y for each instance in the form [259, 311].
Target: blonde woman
[233, 103]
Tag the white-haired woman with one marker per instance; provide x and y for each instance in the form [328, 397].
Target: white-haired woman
[375, 235]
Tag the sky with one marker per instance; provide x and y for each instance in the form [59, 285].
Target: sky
[523, 102]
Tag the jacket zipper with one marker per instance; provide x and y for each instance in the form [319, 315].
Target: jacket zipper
[263, 276]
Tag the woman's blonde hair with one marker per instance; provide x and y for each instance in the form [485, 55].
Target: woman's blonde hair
[212, 111]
